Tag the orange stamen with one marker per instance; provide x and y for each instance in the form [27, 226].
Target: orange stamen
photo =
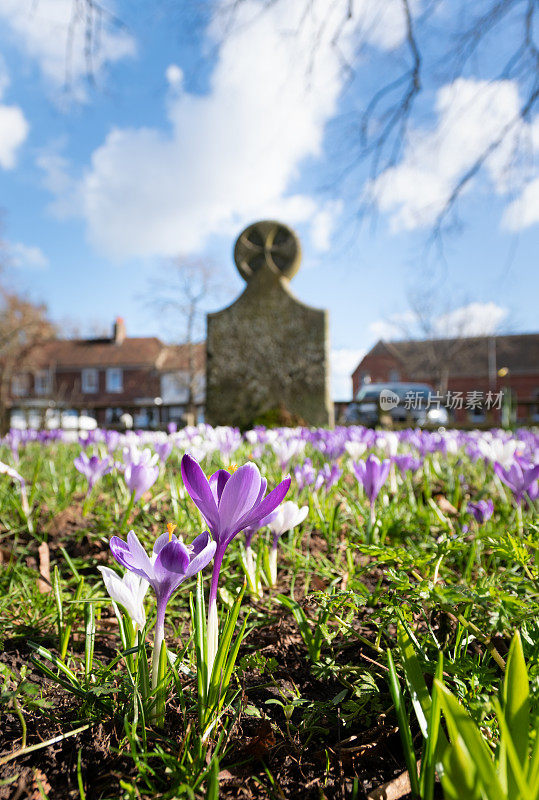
[171, 528]
[233, 468]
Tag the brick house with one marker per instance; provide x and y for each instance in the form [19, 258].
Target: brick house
[469, 364]
[105, 378]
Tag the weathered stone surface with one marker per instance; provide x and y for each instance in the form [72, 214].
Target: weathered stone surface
[268, 352]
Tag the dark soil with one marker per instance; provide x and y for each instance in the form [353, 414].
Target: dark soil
[259, 741]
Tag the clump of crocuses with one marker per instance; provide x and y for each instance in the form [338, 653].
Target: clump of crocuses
[172, 562]
[229, 503]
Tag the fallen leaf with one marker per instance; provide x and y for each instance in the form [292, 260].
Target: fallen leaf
[394, 789]
[44, 580]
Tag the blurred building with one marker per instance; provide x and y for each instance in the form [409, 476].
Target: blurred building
[470, 373]
[106, 378]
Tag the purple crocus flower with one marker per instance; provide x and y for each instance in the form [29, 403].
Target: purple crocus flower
[229, 503]
[141, 472]
[304, 474]
[518, 477]
[172, 563]
[93, 468]
[163, 450]
[372, 474]
[407, 463]
[112, 440]
[481, 511]
[327, 477]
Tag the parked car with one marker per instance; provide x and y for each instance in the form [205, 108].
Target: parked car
[52, 419]
[404, 402]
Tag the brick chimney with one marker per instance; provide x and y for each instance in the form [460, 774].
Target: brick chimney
[118, 331]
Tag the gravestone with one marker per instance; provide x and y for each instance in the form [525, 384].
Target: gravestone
[267, 353]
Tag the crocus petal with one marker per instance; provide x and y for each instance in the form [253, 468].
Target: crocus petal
[198, 487]
[262, 492]
[128, 591]
[218, 482]
[174, 557]
[160, 542]
[267, 505]
[138, 586]
[120, 550]
[199, 543]
[239, 496]
[204, 553]
[138, 556]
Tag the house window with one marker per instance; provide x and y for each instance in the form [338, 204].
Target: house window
[19, 385]
[114, 380]
[90, 381]
[534, 410]
[394, 375]
[42, 382]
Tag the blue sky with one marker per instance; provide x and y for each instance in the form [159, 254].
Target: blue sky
[187, 136]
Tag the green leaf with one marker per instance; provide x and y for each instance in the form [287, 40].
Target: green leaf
[516, 699]
[213, 781]
[89, 638]
[461, 725]
[518, 786]
[404, 726]
[459, 777]
[430, 756]
[414, 678]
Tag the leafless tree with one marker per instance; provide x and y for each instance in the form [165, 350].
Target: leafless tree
[23, 326]
[181, 294]
[436, 334]
[376, 129]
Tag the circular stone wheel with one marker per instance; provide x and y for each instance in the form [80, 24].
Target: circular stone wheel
[267, 242]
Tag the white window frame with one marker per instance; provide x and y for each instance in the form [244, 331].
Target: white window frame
[19, 385]
[90, 381]
[42, 382]
[115, 380]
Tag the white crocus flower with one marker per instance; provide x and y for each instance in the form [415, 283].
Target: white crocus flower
[5, 469]
[128, 591]
[355, 449]
[498, 450]
[390, 442]
[288, 515]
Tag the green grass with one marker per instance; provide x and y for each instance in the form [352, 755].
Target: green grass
[325, 676]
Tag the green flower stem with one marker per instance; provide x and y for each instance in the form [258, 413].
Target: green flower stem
[128, 511]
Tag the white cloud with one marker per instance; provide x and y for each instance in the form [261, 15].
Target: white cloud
[343, 363]
[323, 225]
[13, 125]
[473, 319]
[524, 211]
[395, 327]
[174, 75]
[53, 33]
[232, 154]
[13, 131]
[56, 178]
[471, 116]
[25, 256]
